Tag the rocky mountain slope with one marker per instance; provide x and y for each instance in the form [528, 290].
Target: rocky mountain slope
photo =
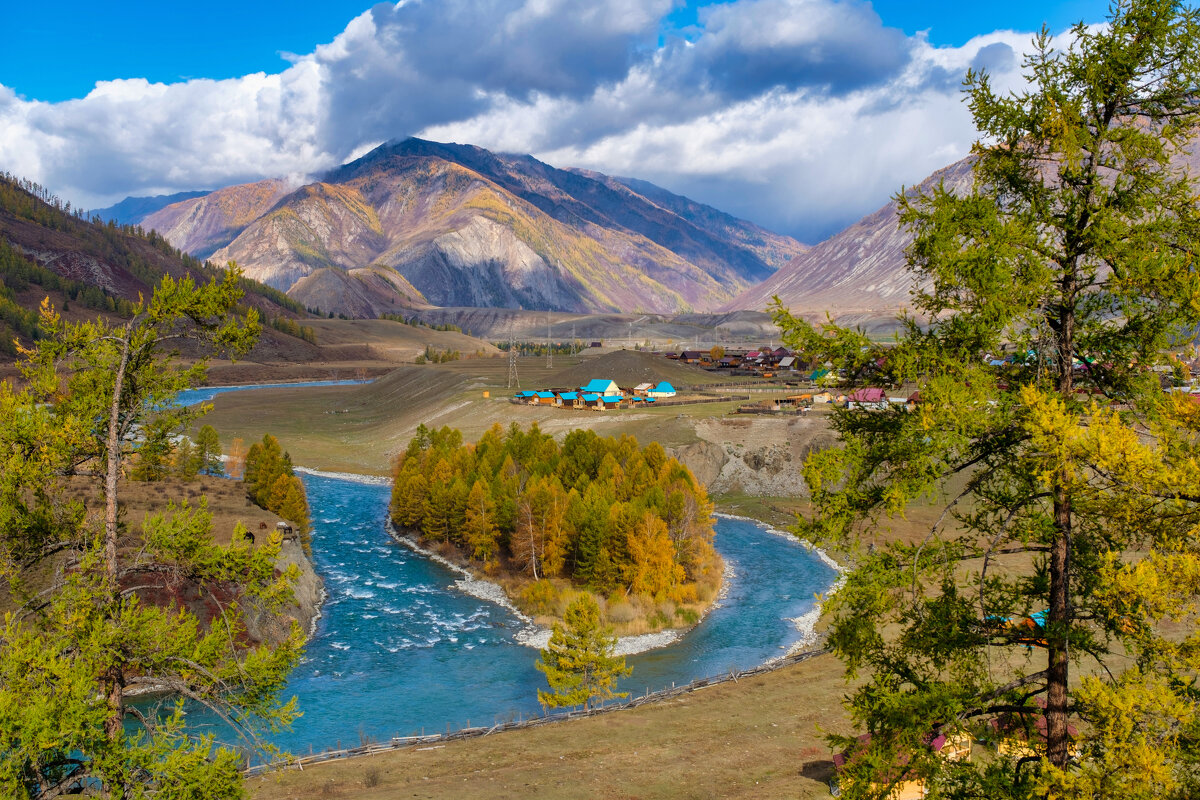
[46, 250]
[858, 272]
[467, 227]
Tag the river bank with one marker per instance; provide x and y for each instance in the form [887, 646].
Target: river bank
[532, 635]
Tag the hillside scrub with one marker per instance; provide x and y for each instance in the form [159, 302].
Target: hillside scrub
[596, 513]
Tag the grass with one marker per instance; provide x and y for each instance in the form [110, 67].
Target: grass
[754, 738]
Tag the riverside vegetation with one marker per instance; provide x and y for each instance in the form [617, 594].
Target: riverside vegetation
[72, 650]
[599, 514]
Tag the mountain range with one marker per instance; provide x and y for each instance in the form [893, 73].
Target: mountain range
[414, 224]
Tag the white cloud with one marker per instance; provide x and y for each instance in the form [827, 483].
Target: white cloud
[799, 114]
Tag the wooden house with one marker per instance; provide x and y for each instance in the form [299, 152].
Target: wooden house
[662, 390]
[570, 400]
[545, 398]
[601, 386]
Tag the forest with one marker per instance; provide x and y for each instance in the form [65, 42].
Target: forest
[603, 513]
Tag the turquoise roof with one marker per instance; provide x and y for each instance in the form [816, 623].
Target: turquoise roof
[598, 385]
[545, 394]
[569, 395]
[591, 397]
[612, 398]
[663, 386]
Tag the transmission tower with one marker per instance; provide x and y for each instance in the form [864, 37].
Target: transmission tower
[573, 348]
[549, 345]
[513, 380]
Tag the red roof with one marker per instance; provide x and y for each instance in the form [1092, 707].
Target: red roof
[867, 395]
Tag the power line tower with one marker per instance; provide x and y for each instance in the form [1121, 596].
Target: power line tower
[573, 348]
[549, 345]
[513, 380]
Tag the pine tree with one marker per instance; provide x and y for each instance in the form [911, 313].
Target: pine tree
[578, 662]
[1078, 245]
[208, 451]
[68, 659]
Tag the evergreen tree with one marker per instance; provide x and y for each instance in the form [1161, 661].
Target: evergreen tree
[68, 658]
[208, 451]
[480, 529]
[578, 662]
[1077, 244]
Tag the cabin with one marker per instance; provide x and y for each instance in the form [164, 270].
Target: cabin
[868, 398]
[569, 400]
[601, 386]
[953, 747]
[611, 401]
[642, 389]
[1024, 735]
[525, 397]
[591, 400]
[788, 363]
[545, 398]
[662, 390]
[692, 356]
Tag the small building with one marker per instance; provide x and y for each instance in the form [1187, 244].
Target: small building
[545, 398]
[663, 389]
[788, 363]
[570, 400]
[642, 389]
[591, 400]
[868, 398]
[692, 356]
[952, 747]
[611, 401]
[601, 386]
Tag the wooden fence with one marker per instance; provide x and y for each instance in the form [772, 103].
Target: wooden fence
[469, 732]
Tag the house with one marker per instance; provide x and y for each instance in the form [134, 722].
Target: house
[591, 400]
[570, 400]
[952, 747]
[788, 363]
[822, 397]
[545, 398]
[692, 356]
[601, 386]
[642, 389]
[867, 398]
[611, 401]
[663, 389]
[1024, 735]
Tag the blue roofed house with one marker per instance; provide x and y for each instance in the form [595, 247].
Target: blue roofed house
[601, 387]
[663, 389]
[570, 400]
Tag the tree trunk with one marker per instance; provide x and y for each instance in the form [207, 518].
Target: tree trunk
[114, 678]
[1059, 612]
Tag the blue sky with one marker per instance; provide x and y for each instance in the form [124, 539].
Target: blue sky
[799, 114]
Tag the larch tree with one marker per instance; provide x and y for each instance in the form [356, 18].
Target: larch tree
[76, 644]
[208, 451]
[1050, 588]
[578, 662]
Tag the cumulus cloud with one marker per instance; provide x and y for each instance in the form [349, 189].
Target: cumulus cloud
[798, 114]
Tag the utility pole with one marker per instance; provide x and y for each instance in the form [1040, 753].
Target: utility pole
[513, 380]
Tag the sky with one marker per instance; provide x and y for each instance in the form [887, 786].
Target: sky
[800, 115]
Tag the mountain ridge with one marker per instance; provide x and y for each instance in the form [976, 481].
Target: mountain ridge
[467, 227]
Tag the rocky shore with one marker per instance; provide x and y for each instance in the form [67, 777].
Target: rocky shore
[532, 634]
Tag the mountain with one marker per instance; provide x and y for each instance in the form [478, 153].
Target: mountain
[461, 226]
[203, 224]
[46, 250]
[132, 210]
[860, 271]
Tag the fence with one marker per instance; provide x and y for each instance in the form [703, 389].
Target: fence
[402, 742]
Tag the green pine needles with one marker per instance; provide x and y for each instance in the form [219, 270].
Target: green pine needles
[578, 662]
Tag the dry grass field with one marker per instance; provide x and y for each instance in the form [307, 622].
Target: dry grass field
[757, 738]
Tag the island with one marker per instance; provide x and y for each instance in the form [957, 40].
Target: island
[628, 524]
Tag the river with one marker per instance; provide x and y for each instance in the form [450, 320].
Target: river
[400, 650]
